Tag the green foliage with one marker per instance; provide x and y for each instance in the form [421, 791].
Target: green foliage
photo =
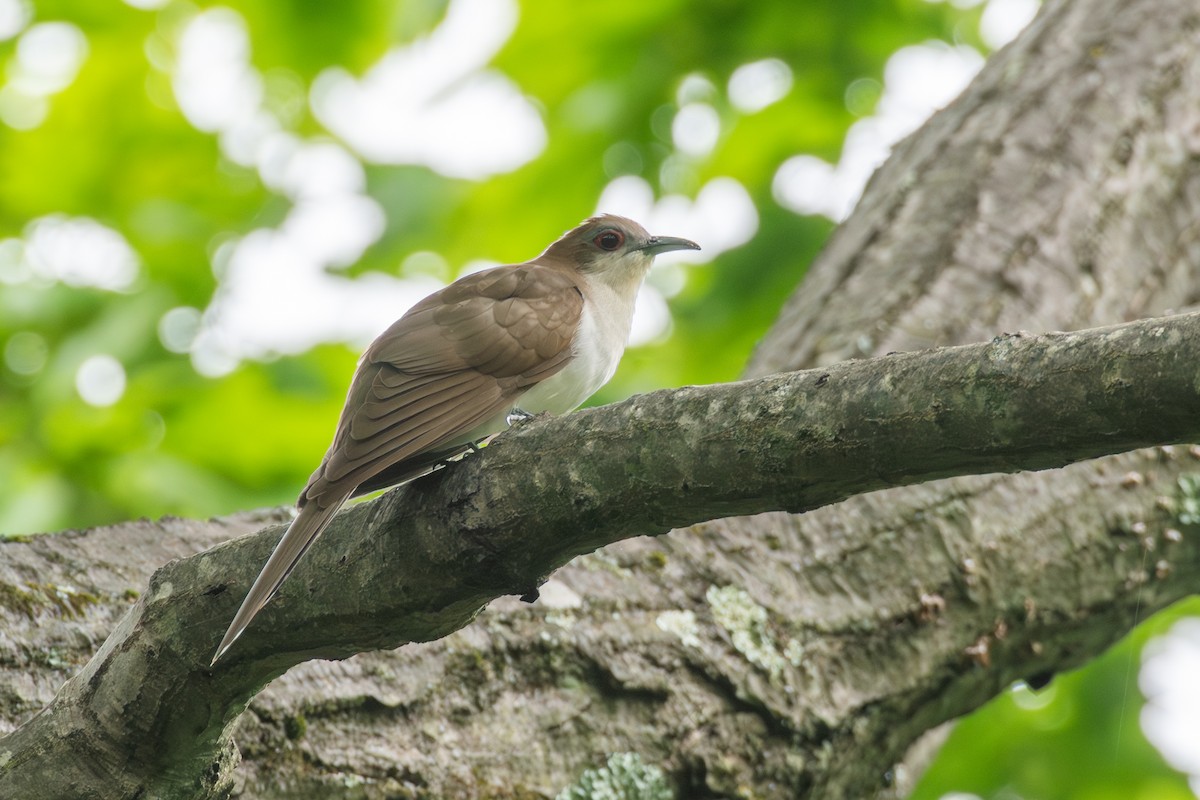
[1077, 739]
[115, 147]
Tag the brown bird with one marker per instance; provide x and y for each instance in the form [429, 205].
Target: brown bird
[502, 343]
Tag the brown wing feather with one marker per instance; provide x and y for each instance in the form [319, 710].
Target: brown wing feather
[436, 419]
[458, 358]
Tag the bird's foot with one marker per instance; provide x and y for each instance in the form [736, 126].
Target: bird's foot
[531, 596]
[517, 415]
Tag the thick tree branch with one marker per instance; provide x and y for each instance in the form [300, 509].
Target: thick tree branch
[421, 562]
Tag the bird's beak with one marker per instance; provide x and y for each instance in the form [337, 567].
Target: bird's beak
[665, 244]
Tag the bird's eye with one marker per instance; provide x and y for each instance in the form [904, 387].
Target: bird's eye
[609, 240]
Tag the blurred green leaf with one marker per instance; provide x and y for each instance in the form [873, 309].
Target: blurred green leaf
[1079, 738]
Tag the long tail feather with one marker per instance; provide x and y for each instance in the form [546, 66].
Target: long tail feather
[303, 531]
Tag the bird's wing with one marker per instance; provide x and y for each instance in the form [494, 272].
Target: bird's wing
[457, 359]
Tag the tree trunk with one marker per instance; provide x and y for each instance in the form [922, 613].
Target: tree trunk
[769, 656]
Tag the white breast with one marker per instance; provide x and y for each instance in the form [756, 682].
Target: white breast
[599, 344]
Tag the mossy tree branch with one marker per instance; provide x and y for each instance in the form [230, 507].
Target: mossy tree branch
[421, 562]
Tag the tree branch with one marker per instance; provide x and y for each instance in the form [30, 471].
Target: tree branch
[422, 561]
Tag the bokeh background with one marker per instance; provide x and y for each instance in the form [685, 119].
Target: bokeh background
[207, 210]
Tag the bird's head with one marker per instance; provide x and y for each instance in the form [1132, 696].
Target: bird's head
[612, 248]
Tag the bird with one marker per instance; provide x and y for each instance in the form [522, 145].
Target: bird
[459, 366]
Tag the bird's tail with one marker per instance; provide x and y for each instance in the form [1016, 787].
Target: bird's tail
[303, 531]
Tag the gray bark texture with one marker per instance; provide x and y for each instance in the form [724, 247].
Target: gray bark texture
[776, 655]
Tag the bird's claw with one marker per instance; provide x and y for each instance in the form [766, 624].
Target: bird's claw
[517, 415]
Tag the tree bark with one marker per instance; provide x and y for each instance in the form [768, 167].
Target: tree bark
[773, 655]
[147, 713]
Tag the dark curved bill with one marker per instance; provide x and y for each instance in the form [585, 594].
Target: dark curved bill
[665, 244]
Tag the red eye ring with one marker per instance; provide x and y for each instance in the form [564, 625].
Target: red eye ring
[609, 240]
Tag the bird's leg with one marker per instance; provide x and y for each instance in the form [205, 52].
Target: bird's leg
[517, 415]
[470, 448]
